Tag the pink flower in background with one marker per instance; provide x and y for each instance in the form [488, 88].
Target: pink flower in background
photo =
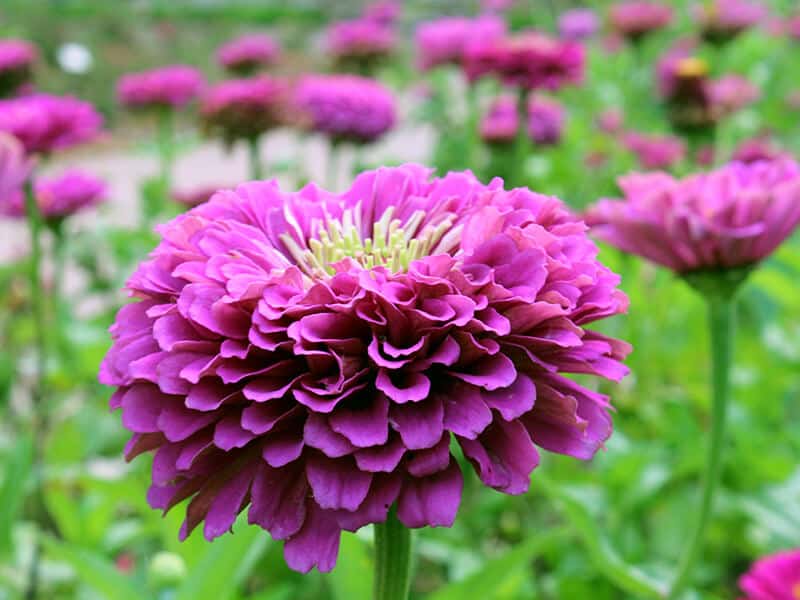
[345, 107]
[62, 196]
[15, 166]
[545, 120]
[731, 217]
[793, 27]
[310, 357]
[249, 53]
[383, 13]
[497, 5]
[172, 86]
[668, 66]
[501, 122]
[195, 196]
[244, 108]
[634, 19]
[773, 577]
[444, 41]
[610, 121]
[731, 93]
[578, 24]
[44, 123]
[17, 58]
[359, 40]
[655, 151]
[721, 20]
[756, 149]
[530, 60]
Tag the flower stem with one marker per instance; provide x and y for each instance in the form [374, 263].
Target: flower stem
[254, 156]
[392, 559]
[721, 322]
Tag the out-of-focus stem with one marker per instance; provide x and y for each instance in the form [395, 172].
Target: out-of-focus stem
[392, 559]
[254, 157]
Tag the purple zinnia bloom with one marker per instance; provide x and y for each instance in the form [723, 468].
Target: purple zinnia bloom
[171, 86]
[445, 40]
[60, 197]
[345, 107]
[244, 108]
[578, 24]
[17, 58]
[530, 60]
[634, 19]
[501, 122]
[313, 355]
[734, 216]
[545, 120]
[722, 20]
[44, 123]
[655, 151]
[15, 166]
[248, 53]
[773, 577]
[359, 40]
[386, 12]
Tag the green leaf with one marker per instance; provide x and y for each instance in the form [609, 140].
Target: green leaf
[488, 580]
[227, 562]
[94, 570]
[352, 577]
[12, 492]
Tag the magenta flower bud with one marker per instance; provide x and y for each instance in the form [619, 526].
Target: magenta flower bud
[636, 18]
[578, 24]
[243, 109]
[173, 86]
[62, 196]
[45, 123]
[773, 577]
[545, 120]
[501, 122]
[17, 58]
[311, 357]
[248, 53]
[655, 151]
[345, 107]
[722, 20]
[530, 60]
[445, 40]
[735, 216]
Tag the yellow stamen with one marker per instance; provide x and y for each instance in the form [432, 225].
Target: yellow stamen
[692, 67]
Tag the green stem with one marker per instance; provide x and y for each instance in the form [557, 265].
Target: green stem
[334, 157]
[254, 156]
[392, 559]
[166, 144]
[721, 321]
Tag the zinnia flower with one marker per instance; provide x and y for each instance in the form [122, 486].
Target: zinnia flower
[444, 41]
[545, 120]
[248, 53]
[345, 107]
[774, 577]
[731, 217]
[756, 149]
[655, 151]
[637, 18]
[17, 58]
[244, 108]
[313, 355]
[360, 41]
[722, 20]
[15, 166]
[172, 86]
[501, 122]
[731, 93]
[45, 123]
[60, 197]
[384, 13]
[578, 24]
[530, 60]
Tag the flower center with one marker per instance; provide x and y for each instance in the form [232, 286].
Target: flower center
[393, 244]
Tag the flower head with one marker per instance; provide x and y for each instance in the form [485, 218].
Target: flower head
[172, 86]
[445, 40]
[545, 120]
[248, 53]
[385, 12]
[60, 197]
[757, 149]
[731, 93]
[722, 20]
[774, 577]
[313, 355]
[345, 107]
[634, 19]
[578, 24]
[360, 41]
[45, 123]
[501, 122]
[530, 60]
[655, 151]
[244, 108]
[17, 58]
[731, 217]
